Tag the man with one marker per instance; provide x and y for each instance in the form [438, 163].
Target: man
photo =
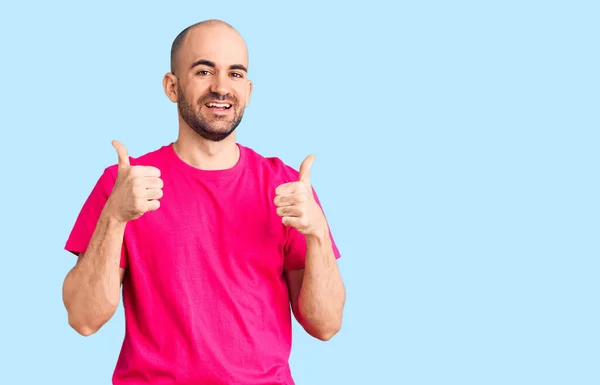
[210, 241]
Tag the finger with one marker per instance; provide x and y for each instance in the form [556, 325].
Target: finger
[152, 205]
[295, 222]
[121, 153]
[153, 193]
[289, 211]
[305, 168]
[289, 199]
[145, 171]
[288, 188]
[153, 182]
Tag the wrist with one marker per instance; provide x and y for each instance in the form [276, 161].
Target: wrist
[318, 236]
[110, 214]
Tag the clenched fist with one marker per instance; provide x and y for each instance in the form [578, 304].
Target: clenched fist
[137, 189]
[296, 204]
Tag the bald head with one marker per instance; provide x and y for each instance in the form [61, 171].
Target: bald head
[200, 31]
[209, 79]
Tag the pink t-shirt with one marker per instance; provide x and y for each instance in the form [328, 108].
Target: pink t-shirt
[204, 293]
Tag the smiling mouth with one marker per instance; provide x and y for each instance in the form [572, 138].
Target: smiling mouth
[218, 106]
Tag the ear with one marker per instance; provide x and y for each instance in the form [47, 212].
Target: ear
[249, 92]
[170, 86]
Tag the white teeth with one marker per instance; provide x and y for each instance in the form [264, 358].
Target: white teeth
[219, 105]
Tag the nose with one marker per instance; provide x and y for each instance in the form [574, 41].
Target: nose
[220, 85]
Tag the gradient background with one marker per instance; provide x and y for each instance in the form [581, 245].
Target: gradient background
[457, 157]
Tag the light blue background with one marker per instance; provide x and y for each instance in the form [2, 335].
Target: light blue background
[457, 161]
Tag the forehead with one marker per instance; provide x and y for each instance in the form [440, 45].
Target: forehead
[219, 44]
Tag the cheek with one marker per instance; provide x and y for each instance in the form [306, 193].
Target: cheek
[242, 94]
[194, 92]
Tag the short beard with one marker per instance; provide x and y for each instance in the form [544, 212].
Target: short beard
[202, 127]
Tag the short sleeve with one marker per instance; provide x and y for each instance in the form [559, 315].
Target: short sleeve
[85, 224]
[295, 247]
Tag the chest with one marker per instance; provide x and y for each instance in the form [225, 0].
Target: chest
[225, 228]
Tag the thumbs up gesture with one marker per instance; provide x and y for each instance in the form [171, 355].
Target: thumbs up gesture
[137, 189]
[296, 204]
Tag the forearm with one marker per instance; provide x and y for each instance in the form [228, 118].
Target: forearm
[91, 290]
[322, 295]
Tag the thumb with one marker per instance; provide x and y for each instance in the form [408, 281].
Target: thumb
[122, 154]
[305, 168]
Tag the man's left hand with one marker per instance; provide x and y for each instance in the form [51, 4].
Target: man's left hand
[296, 204]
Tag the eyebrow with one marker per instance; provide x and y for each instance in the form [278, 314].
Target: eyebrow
[208, 63]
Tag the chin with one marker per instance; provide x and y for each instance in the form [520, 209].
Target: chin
[215, 134]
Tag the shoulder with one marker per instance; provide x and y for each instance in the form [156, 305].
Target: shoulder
[151, 158]
[274, 166]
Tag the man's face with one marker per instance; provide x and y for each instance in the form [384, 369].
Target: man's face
[213, 89]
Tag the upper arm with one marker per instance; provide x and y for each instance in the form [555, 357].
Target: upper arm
[87, 219]
[295, 246]
[294, 281]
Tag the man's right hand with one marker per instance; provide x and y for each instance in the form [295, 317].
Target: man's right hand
[137, 189]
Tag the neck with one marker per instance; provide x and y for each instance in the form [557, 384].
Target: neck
[205, 154]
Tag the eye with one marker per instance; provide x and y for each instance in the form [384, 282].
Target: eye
[203, 73]
[237, 75]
